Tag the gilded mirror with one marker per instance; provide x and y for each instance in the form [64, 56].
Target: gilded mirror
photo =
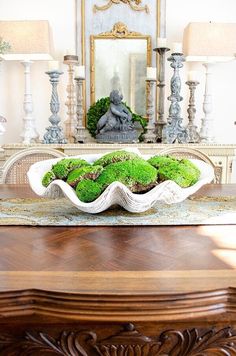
[119, 59]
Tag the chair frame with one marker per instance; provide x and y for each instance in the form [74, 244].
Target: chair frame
[27, 152]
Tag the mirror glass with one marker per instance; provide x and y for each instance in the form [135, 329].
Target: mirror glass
[121, 64]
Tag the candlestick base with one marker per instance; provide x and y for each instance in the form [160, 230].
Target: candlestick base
[159, 126]
[54, 134]
[82, 135]
[149, 136]
[174, 132]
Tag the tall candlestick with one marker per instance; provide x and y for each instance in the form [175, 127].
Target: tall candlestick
[150, 136]
[70, 123]
[54, 132]
[161, 97]
[173, 131]
[194, 136]
[81, 134]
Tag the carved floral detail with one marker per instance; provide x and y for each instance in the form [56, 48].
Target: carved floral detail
[120, 30]
[127, 342]
[133, 4]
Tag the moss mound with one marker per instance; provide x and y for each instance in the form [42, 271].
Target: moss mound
[137, 174]
[62, 168]
[85, 172]
[89, 181]
[88, 190]
[181, 171]
[159, 161]
[117, 156]
[48, 178]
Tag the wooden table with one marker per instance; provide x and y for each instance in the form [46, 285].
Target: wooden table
[118, 290]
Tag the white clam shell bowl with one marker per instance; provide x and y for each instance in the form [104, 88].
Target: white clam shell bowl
[117, 193]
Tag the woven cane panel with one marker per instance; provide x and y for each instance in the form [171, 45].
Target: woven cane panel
[17, 172]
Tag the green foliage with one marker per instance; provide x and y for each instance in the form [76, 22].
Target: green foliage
[88, 190]
[136, 174]
[97, 110]
[62, 168]
[116, 156]
[85, 172]
[4, 46]
[181, 171]
[48, 178]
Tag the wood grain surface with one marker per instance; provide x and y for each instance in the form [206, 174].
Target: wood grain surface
[93, 291]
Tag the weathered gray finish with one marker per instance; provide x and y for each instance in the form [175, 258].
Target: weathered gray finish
[173, 131]
[116, 124]
[150, 136]
[194, 136]
[55, 132]
[81, 133]
[161, 97]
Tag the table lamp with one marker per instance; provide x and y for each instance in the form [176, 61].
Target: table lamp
[30, 41]
[209, 43]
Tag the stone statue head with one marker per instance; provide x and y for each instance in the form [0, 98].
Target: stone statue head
[116, 97]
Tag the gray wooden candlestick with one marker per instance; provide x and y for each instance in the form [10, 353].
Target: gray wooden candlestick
[194, 136]
[55, 132]
[81, 134]
[173, 131]
[161, 97]
[70, 123]
[150, 135]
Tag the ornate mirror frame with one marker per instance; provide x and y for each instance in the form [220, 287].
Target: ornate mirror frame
[119, 31]
[135, 8]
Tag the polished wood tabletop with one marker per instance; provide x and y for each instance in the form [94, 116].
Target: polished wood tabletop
[106, 291]
[118, 259]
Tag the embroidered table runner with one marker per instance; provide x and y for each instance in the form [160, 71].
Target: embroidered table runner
[197, 210]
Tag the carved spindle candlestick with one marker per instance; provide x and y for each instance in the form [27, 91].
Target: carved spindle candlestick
[173, 131]
[207, 127]
[70, 123]
[194, 136]
[54, 133]
[150, 135]
[81, 134]
[29, 134]
[161, 97]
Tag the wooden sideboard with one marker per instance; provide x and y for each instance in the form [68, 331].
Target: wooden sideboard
[221, 155]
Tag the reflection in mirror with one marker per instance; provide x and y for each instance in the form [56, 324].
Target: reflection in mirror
[118, 61]
[121, 65]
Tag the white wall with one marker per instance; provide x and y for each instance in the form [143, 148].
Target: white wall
[61, 15]
[178, 15]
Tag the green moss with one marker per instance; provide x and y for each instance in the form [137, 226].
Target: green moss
[88, 190]
[48, 178]
[116, 156]
[62, 168]
[159, 161]
[137, 174]
[85, 172]
[181, 171]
